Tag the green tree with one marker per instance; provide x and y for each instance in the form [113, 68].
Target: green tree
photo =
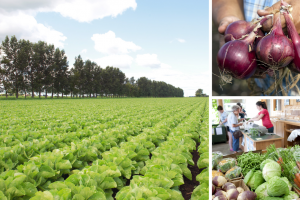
[199, 93]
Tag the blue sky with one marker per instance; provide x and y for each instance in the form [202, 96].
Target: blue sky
[162, 40]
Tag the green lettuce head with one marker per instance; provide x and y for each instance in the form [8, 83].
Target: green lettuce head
[256, 180]
[287, 182]
[291, 195]
[261, 191]
[264, 163]
[271, 170]
[273, 198]
[277, 187]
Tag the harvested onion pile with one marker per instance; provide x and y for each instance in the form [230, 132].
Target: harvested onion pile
[249, 51]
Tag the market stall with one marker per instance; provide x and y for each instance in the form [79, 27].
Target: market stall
[271, 175]
[252, 143]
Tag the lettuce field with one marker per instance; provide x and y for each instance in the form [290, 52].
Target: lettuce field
[88, 149]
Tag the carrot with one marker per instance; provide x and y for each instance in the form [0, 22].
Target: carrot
[297, 182]
[298, 164]
[297, 176]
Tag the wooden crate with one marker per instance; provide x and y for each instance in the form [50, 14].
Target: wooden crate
[240, 183]
[235, 179]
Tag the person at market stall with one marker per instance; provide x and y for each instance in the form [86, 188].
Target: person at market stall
[242, 111]
[234, 125]
[223, 122]
[225, 12]
[263, 115]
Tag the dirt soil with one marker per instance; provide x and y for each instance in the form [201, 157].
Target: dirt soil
[189, 185]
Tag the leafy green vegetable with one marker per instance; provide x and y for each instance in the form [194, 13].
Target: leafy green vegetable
[249, 161]
[291, 195]
[256, 180]
[261, 191]
[277, 187]
[271, 170]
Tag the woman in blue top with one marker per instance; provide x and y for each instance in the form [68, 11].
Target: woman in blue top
[225, 12]
[234, 125]
[223, 122]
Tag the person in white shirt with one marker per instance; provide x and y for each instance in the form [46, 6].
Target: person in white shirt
[234, 125]
[223, 122]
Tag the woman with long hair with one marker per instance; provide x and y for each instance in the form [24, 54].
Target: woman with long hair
[264, 116]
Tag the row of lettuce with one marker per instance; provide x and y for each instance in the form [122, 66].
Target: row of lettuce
[153, 155]
[83, 144]
[272, 175]
[201, 192]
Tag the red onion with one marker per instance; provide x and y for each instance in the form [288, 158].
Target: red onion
[293, 34]
[275, 50]
[238, 29]
[237, 59]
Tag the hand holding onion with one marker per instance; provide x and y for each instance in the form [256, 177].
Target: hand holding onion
[295, 14]
[248, 49]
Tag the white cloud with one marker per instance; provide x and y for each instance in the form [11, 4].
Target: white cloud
[108, 43]
[180, 40]
[148, 60]
[120, 61]
[89, 10]
[25, 26]
[82, 11]
[17, 16]
[83, 51]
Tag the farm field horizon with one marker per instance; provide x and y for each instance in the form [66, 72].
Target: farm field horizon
[110, 148]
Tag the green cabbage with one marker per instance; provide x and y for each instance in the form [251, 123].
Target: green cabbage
[271, 170]
[273, 198]
[291, 195]
[264, 163]
[256, 180]
[277, 187]
[248, 176]
[261, 191]
[287, 182]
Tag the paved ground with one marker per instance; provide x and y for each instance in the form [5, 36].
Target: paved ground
[223, 147]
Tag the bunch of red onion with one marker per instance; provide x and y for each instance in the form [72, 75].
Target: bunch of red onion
[248, 49]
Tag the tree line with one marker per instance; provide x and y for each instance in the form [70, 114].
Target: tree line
[199, 93]
[40, 67]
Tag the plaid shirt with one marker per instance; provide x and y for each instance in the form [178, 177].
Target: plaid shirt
[250, 10]
[252, 6]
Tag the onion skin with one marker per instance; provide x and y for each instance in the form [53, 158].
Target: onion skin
[292, 32]
[238, 29]
[275, 49]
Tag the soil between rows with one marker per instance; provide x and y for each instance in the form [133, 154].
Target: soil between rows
[189, 185]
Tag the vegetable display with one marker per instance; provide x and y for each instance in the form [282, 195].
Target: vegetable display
[249, 161]
[274, 174]
[250, 52]
[91, 152]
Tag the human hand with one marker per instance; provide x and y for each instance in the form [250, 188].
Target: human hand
[274, 8]
[223, 25]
